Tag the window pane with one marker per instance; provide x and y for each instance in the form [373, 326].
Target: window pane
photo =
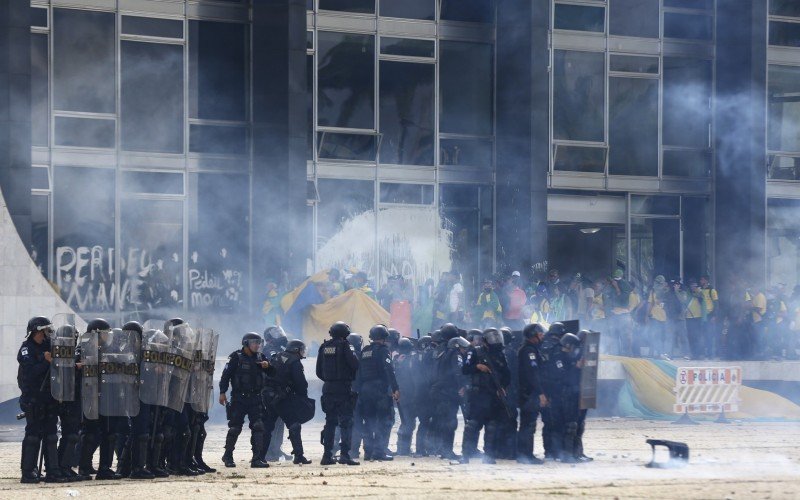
[407, 47]
[38, 17]
[83, 61]
[687, 102]
[687, 26]
[470, 152]
[217, 139]
[217, 71]
[40, 109]
[633, 126]
[310, 40]
[634, 18]
[364, 6]
[578, 95]
[40, 253]
[655, 205]
[465, 87]
[358, 147]
[346, 80]
[152, 254]
[470, 11]
[783, 167]
[579, 18]
[784, 108]
[580, 159]
[310, 107]
[40, 178]
[83, 232]
[152, 182]
[690, 4]
[84, 132]
[149, 26]
[152, 97]
[341, 201]
[784, 34]
[789, 8]
[417, 194]
[409, 9]
[406, 111]
[683, 163]
[634, 64]
[218, 243]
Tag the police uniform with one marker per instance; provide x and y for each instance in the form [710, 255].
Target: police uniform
[445, 399]
[407, 372]
[562, 388]
[375, 400]
[530, 389]
[285, 386]
[337, 366]
[273, 440]
[245, 375]
[507, 431]
[427, 372]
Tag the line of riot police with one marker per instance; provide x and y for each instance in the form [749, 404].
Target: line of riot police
[140, 395]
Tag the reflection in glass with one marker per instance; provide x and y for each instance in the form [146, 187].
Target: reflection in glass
[788, 8]
[40, 110]
[415, 194]
[409, 9]
[579, 18]
[152, 97]
[690, 4]
[84, 132]
[407, 47]
[84, 61]
[465, 87]
[783, 241]
[687, 163]
[38, 17]
[135, 181]
[339, 202]
[783, 112]
[783, 167]
[686, 102]
[634, 18]
[579, 158]
[784, 34]
[357, 147]
[217, 139]
[469, 152]
[345, 80]
[687, 26]
[363, 6]
[217, 70]
[470, 11]
[633, 126]
[578, 95]
[633, 64]
[468, 213]
[149, 26]
[406, 111]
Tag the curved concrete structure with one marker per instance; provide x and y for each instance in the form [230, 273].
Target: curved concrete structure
[24, 293]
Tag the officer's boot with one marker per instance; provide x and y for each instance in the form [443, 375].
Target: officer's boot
[448, 439]
[490, 442]
[326, 438]
[273, 451]
[344, 446]
[124, 458]
[30, 454]
[155, 456]
[54, 474]
[469, 444]
[230, 444]
[568, 448]
[297, 445]
[198, 452]
[178, 455]
[67, 449]
[139, 446]
[88, 447]
[108, 443]
[257, 445]
[403, 443]
[189, 454]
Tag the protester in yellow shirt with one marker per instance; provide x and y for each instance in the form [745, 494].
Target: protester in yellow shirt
[657, 318]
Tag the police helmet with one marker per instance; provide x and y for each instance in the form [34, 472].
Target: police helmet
[457, 342]
[133, 326]
[493, 337]
[532, 330]
[356, 341]
[66, 331]
[172, 323]
[339, 330]
[582, 335]
[557, 328]
[156, 337]
[253, 341]
[437, 336]
[570, 340]
[424, 342]
[474, 334]
[404, 346]
[449, 331]
[296, 346]
[98, 325]
[508, 337]
[274, 332]
[378, 332]
[38, 324]
[394, 336]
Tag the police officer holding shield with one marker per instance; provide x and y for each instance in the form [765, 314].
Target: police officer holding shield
[378, 389]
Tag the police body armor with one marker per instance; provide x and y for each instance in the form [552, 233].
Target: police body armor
[183, 341]
[484, 381]
[202, 385]
[371, 366]
[62, 367]
[334, 367]
[249, 377]
[118, 370]
[155, 369]
[289, 405]
[90, 380]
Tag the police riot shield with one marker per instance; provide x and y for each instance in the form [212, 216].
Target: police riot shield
[90, 381]
[183, 341]
[119, 373]
[590, 350]
[155, 369]
[62, 348]
[203, 377]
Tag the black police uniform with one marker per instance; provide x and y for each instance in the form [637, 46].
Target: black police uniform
[272, 442]
[549, 347]
[562, 388]
[246, 376]
[530, 388]
[445, 399]
[375, 399]
[486, 409]
[426, 436]
[285, 386]
[337, 366]
[407, 372]
[507, 431]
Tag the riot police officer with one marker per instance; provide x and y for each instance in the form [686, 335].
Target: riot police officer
[287, 397]
[275, 341]
[447, 390]
[63, 380]
[378, 389]
[531, 397]
[562, 390]
[580, 456]
[245, 373]
[337, 366]
[357, 341]
[34, 360]
[406, 368]
[507, 431]
[549, 346]
[488, 369]
[427, 439]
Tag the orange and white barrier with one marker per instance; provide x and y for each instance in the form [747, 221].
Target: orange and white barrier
[707, 390]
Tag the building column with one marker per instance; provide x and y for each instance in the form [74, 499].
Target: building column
[279, 225]
[15, 113]
[740, 143]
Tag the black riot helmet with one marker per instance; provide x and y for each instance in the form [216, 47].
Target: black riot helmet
[475, 336]
[449, 331]
[424, 342]
[557, 329]
[508, 337]
[253, 341]
[458, 343]
[133, 326]
[276, 336]
[582, 335]
[378, 332]
[172, 323]
[296, 346]
[436, 337]
[569, 341]
[532, 330]
[356, 341]
[493, 337]
[405, 346]
[38, 324]
[98, 325]
[394, 336]
[339, 330]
